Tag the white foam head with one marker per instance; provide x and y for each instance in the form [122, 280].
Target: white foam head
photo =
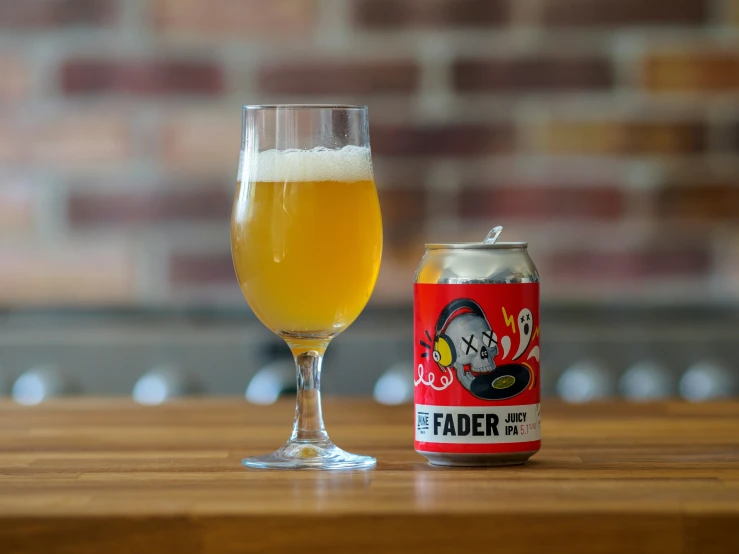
[349, 164]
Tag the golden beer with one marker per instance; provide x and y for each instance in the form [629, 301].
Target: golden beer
[306, 238]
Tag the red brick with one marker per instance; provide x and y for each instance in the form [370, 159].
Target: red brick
[675, 261]
[708, 202]
[456, 140]
[403, 204]
[403, 212]
[15, 82]
[130, 207]
[322, 77]
[83, 140]
[141, 77]
[534, 203]
[532, 74]
[621, 138]
[614, 13]
[16, 208]
[243, 19]
[682, 71]
[202, 141]
[431, 13]
[201, 269]
[16, 14]
[66, 274]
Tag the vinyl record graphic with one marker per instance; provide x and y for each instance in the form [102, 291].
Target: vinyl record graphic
[502, 383]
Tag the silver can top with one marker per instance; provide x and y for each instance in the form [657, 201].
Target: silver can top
[489, 243]
[488, 261]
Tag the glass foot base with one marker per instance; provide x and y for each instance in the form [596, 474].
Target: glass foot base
[310, 455]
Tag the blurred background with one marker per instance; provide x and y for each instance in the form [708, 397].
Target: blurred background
[603, 132]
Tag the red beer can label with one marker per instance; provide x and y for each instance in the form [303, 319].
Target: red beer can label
[476, 360]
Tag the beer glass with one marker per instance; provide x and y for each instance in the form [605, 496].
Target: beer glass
[306, 240]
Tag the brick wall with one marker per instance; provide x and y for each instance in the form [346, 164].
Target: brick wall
[604, 132]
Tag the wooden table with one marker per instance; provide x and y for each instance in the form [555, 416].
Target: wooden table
[108, 476]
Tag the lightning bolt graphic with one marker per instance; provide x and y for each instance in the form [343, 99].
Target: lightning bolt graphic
[536, 333]
[510, 321]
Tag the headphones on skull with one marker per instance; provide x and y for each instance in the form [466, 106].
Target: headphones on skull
[445, 354]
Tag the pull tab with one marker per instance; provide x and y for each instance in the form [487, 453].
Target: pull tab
[493, 235]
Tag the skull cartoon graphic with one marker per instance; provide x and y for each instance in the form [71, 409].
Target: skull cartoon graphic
[464, 341]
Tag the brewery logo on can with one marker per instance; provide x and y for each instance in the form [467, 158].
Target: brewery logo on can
[476, 359]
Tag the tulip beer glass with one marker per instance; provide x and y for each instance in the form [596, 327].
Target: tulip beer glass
[306, 239]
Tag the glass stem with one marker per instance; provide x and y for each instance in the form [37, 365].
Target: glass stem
[308, 426]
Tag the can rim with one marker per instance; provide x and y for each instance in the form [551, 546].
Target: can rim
[477, 246]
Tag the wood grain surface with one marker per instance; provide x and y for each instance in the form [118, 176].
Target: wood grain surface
[84, 476]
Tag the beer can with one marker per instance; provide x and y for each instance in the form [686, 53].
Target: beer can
[476, 354]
